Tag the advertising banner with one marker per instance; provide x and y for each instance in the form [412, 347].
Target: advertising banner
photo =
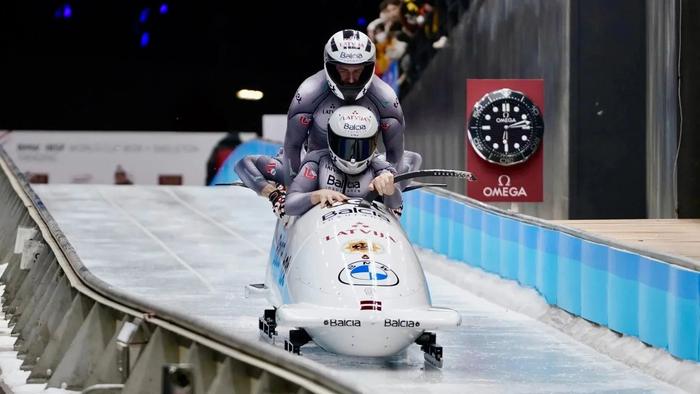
[274, 126]
[109, 157]
[504, 141]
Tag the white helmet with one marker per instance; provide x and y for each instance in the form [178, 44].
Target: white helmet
[352, 138]
[349, 47]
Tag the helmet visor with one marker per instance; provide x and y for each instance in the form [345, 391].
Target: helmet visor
[349, 149]
[367, 70]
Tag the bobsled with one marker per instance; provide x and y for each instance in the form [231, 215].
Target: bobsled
[347, 278]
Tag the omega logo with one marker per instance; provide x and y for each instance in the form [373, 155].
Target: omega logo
[505, 120]
[504, 189]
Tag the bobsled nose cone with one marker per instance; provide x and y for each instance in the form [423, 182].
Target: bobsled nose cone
[365, 342]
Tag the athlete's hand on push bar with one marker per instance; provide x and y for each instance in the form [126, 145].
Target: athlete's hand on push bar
[383, 184]
[327, 197]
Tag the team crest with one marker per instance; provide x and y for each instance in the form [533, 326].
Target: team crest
[362, 246]
[368, 273]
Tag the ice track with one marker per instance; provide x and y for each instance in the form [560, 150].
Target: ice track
[193, 249]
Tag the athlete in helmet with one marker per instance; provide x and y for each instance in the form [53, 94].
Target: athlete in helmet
[347, 78]
[348, 167]
[266, 176]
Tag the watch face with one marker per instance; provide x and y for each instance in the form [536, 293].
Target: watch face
[505, 127]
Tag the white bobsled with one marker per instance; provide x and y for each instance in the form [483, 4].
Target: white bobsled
[347, 278]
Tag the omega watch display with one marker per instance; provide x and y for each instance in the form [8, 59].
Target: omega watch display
[506, 127]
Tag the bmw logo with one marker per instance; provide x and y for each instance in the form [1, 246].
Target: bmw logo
[365, 272]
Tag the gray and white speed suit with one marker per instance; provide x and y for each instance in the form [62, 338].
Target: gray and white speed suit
[256, 170]
[307, 117]
[318, 172]
[313, 104]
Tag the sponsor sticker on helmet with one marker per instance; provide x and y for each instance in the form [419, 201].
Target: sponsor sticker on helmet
[354, 127]
[351, 56]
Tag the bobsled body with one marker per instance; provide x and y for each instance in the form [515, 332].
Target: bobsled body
[348, 275]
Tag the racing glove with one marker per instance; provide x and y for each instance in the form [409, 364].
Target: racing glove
[277, 198]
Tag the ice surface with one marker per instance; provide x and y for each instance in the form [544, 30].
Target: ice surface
[507, 293]
[194, 249]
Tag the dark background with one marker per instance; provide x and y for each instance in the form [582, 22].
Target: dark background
[688, 158]
[90, 72]
[607, 162]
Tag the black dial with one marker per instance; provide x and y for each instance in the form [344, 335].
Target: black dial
[505, 127]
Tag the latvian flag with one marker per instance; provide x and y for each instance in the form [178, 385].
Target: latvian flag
[370, 305]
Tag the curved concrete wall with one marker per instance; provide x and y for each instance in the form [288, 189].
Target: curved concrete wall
[76, 331]
[639, 293]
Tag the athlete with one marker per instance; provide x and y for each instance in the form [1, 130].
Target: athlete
[347, 78]
[349, 167]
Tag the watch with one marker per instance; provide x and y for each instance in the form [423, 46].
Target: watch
[506, 127]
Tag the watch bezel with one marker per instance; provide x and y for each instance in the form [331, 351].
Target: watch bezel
[488, 99]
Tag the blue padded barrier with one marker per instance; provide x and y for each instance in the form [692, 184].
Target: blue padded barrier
[594, 287]
[527, 247]
[569, 274]
[226, 173]
[444, 209]
[547, 264]
[651, 296]
[508, 262]
[455, 233]
[626, 290]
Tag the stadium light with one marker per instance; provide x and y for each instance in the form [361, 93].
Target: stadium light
[247, 94]
[65, 11]
[143, 16]
[145, 39]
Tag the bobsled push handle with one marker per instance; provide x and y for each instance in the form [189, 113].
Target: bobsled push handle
[236, 183]
[371, 196]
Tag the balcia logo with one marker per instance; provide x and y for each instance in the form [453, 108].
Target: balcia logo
[342, 323]
[354, 210]
[349, 55]
[339, 183]
[401, 323]
[355, 127]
